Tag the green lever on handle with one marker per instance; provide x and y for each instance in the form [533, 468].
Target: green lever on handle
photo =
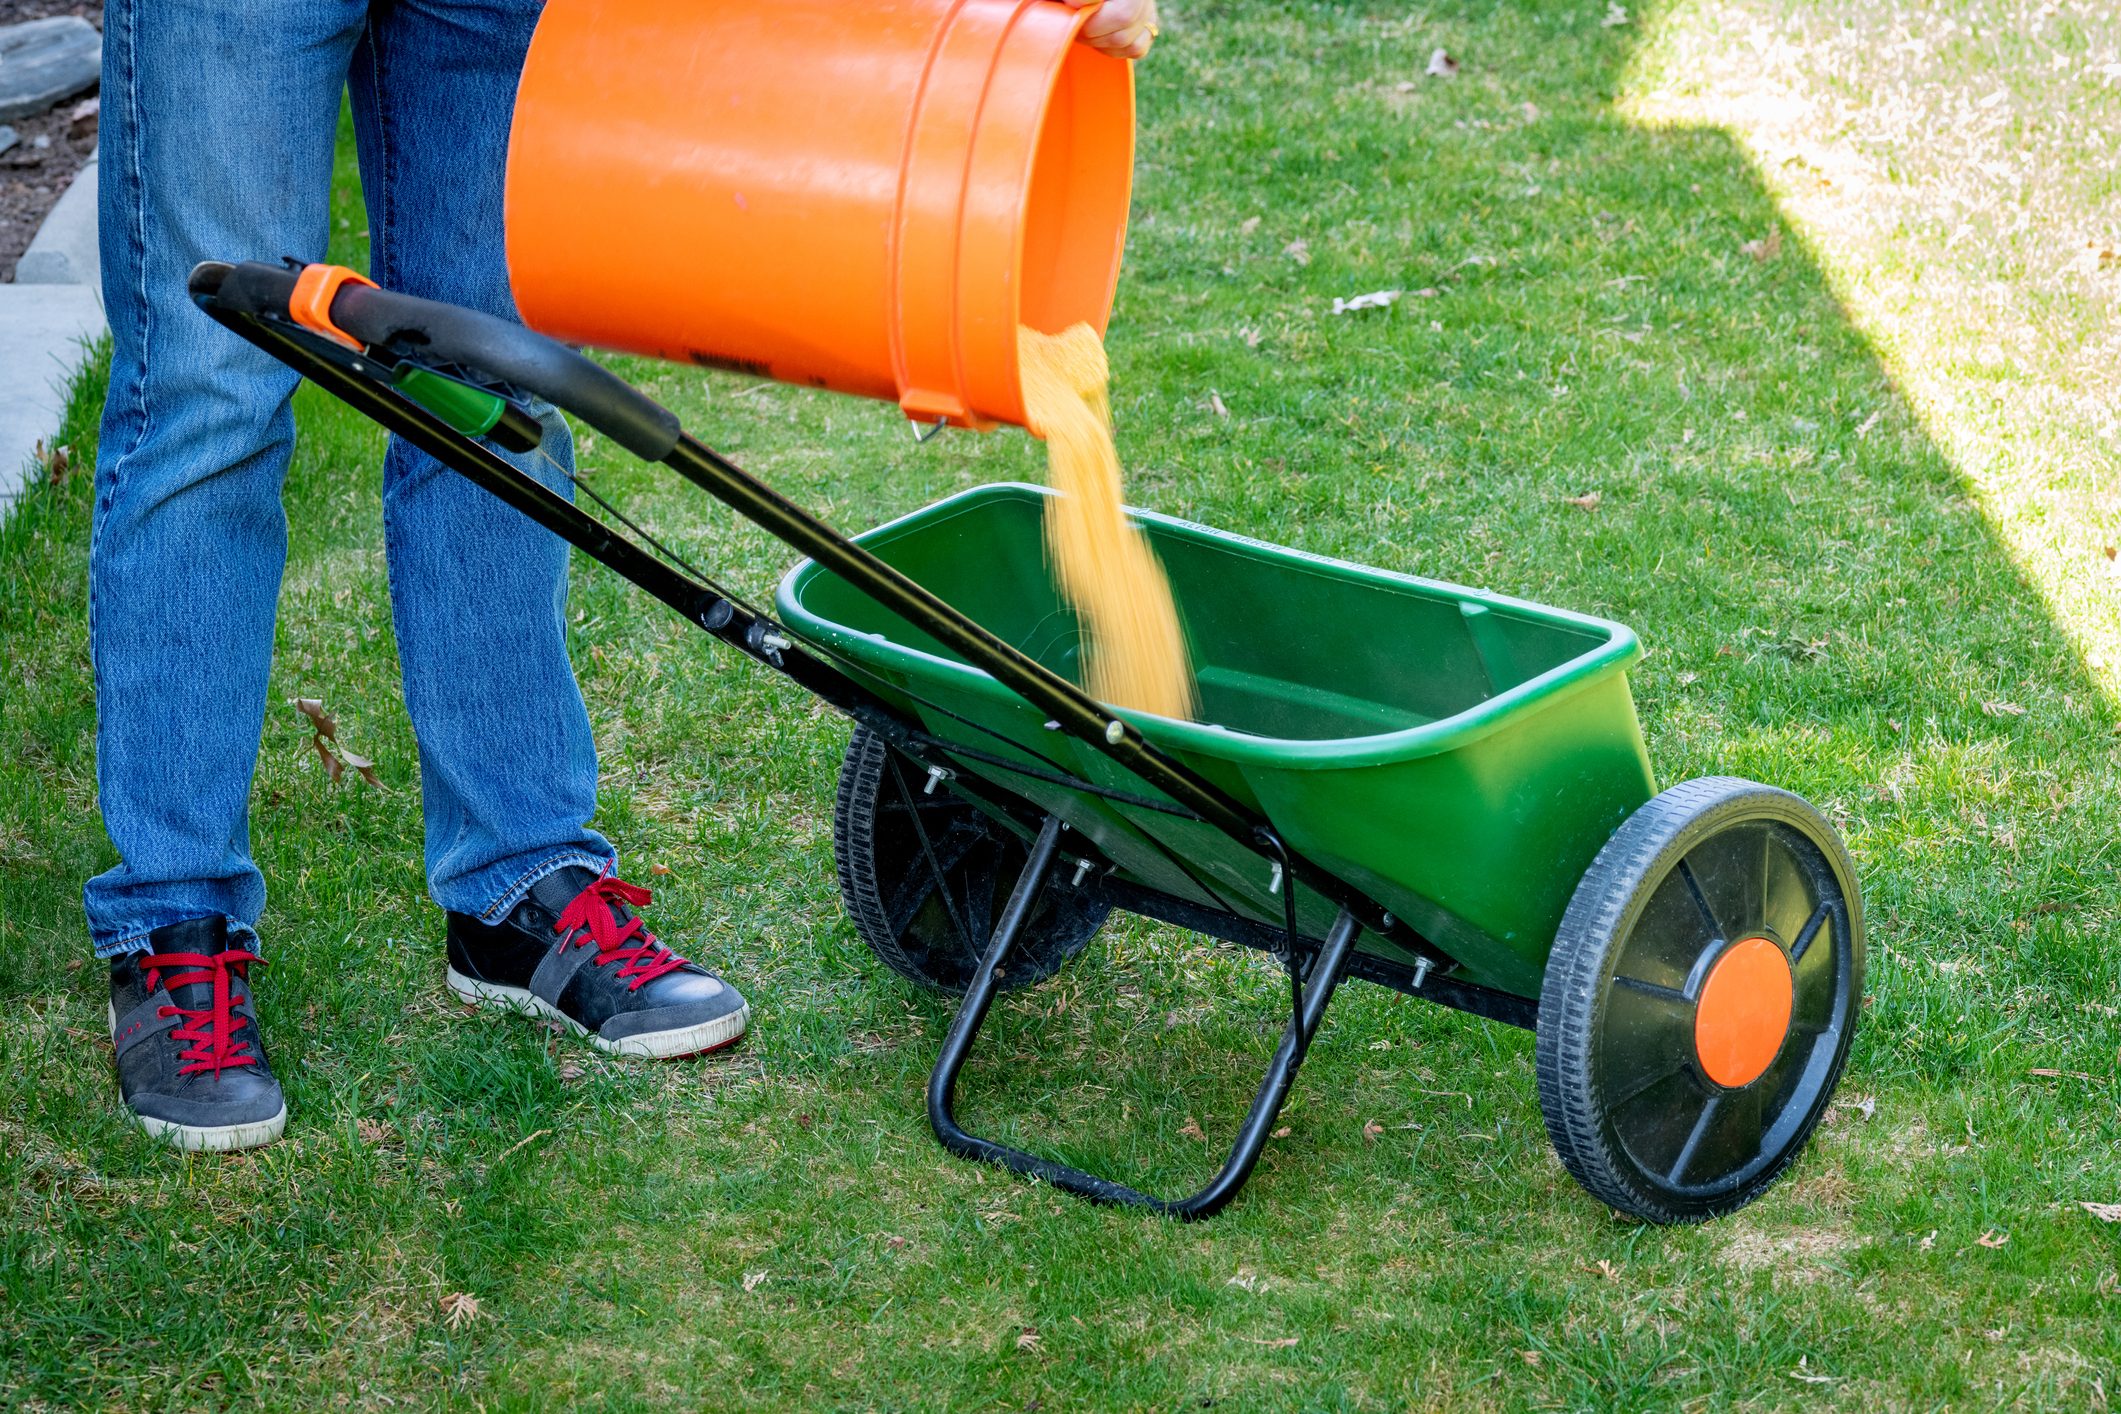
[471, 411]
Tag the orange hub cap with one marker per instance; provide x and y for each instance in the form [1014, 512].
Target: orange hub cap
[1744, 1012]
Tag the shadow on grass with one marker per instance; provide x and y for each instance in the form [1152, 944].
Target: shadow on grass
[1826, 610]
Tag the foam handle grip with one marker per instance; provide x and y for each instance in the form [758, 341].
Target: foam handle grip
[436, 332]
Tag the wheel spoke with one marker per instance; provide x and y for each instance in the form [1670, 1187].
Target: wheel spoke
[979, 897]
[1818, 970]
[1645, 1020]
[1695, 1138]
[965, 927]
[1668, 935]
[918, 884]
[923, 803]
[1725, 1139]
[1669, 996]
[1701, 900]
[1793, 892]
[1645, 1040]
[1641, 1086]
[1728, 874]
[1808, 934]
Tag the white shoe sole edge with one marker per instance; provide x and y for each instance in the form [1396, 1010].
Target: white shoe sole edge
[213, 1138]
[654, 1045]
[219, 1139]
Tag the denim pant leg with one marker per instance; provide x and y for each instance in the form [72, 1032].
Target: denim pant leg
[508, 765]
[218, 123]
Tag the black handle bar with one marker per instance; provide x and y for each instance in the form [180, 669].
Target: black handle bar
[435, 331]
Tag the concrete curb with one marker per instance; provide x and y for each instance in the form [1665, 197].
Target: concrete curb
[49, 318]
[65, 250]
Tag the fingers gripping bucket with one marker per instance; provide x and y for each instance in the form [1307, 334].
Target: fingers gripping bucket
[868, 197]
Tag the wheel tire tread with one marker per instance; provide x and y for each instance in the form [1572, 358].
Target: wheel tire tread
[1568, 1099]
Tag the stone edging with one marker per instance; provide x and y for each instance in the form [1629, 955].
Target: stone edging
[49, 317]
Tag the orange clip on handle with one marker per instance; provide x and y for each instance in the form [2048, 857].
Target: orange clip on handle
[310, 304]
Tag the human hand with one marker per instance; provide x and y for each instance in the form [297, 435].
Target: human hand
[1122, 28]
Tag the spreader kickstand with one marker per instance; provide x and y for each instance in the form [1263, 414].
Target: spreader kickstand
[1325, 972]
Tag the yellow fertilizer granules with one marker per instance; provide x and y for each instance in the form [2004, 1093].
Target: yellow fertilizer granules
[1134, 652]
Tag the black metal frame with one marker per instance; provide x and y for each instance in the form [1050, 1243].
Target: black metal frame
[252, 300]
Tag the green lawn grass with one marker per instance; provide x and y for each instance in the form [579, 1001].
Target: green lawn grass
[1867, 558]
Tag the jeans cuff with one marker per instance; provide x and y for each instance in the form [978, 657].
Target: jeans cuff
[140, 939]
[519, 890]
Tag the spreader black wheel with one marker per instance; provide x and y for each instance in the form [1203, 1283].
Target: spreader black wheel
[924, 874]
[1699, 1000]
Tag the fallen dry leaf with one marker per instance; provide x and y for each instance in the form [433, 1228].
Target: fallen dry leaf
[81, 121]
[2097, 255]
[1027, 1338]
[460, 1308]
[1530, 1357]
[1804, 1373]
[1588, 501]
[2104, 1212]
[1615, 16]
[320, 721]
[1298, 250]
[57, 461]
[361, 764]
[1376, 299]
[2046, 1074]
[1992, 1238]
[1604, 1268]
[1282, 1343]
[1927, 1243]
[2002, 709]
[1248, 226]
[1370, 1130]
[659, 868]
[894, 1242]
[371, 1132]
[1283, 1132]
[2113, 550]
[1191, 1130]
[1216, 405]
[1442, 65]
[1766, 248]
[324, 739]
[752, 1280]
[570, 1072]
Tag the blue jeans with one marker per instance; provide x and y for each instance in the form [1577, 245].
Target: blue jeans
[218, 125]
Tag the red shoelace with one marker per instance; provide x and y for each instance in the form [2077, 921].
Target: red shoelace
[210, 1030]
[594, 911]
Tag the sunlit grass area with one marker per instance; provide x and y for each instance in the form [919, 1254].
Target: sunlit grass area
[1780, 331]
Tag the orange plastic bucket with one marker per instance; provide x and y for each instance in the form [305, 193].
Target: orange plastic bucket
[867, 195]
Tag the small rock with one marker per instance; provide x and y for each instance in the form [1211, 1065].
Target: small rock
[41, 141]
[45, 62]
[8, 137]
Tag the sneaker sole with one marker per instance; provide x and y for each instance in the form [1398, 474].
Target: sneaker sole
[208, 1138]
[220, 1139]
[674, 1044]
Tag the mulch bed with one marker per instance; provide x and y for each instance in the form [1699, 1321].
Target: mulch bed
[33, 178]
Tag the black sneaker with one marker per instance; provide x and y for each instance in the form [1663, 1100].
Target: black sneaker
[574, 951]
[191, 1066]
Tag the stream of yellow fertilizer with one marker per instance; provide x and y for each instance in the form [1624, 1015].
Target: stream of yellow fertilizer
[1134, 651]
